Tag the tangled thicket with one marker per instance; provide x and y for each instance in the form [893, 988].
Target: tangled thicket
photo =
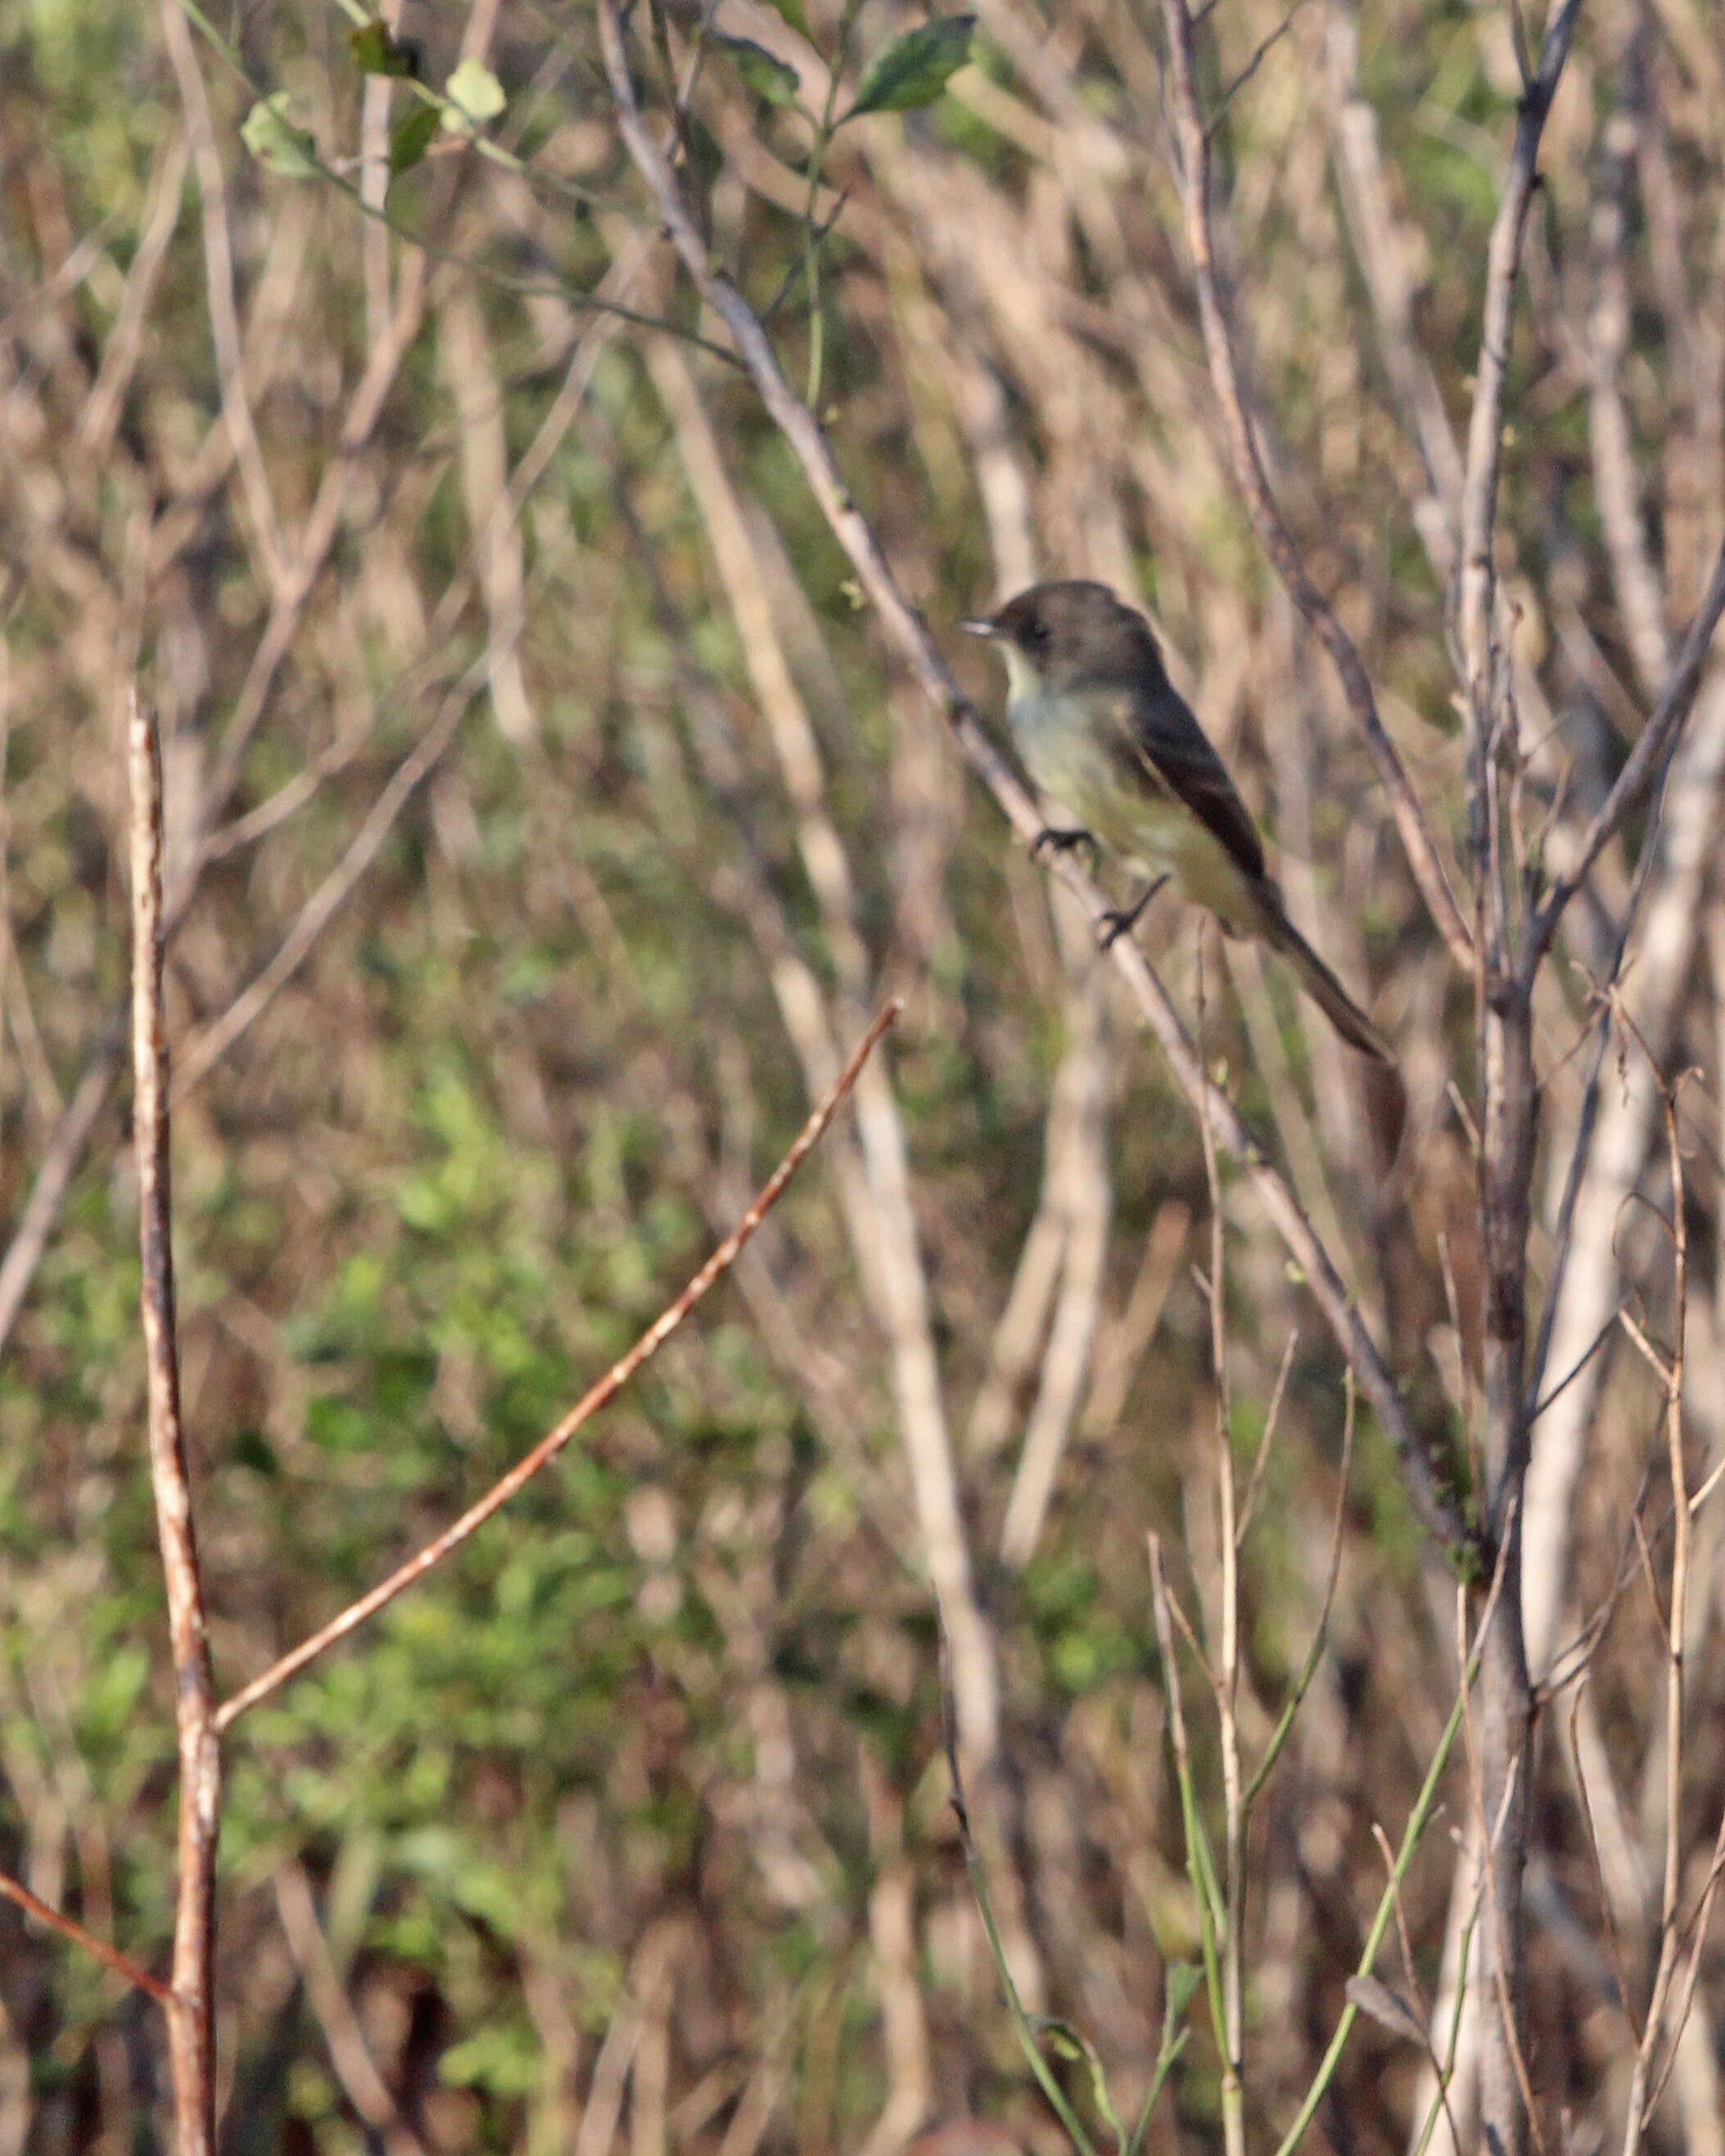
[547, 811]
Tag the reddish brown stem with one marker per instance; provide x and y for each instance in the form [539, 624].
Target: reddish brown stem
[69, 1927]
[584, 1408]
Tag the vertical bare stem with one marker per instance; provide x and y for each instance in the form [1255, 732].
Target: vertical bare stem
[1506, 1703]
[1227, 1680]
[1485, 432]
[1509, 1107]
[1640, 2103]
[191, 2020]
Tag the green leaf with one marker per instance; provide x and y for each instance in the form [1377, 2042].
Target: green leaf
[475, 95]
[914, 69]
[769, 78]
[375, 52]
[1183, 1978]
[410, 139]
[791, 12]
[275, 142]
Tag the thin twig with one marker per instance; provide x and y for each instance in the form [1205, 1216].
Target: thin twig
[1265, 43]
[273, 555]
[1255, 1483]
[1613, 1940]
[1650, 1355]
[191, 2013]
[1716, 1872]
[121, 1964]
[1418, 1821]
[1200, 1866]
[1193, 142]
[1023, 2027]
[1230, 2032]
[1319, 1631]
[65, 1149]
[1188, 1633]
[1580, 1363]
[315, 914]
[584, 1408]
[1420, 2015]
[1646, 761]
[350, 2054]
[1641, 2101]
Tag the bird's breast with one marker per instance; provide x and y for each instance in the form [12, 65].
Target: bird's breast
[1075, 760]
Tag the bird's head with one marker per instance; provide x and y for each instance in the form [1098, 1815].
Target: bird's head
[1073, 634]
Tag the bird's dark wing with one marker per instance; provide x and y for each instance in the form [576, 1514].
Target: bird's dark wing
[1156, 738]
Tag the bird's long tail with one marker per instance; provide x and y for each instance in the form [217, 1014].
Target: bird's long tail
[1274, 929]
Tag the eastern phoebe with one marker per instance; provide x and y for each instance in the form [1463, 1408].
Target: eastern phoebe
[1107, 736]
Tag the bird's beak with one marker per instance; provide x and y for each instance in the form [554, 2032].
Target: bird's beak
[978, 628]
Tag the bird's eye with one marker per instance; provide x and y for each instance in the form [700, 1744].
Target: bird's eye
[1036, 633]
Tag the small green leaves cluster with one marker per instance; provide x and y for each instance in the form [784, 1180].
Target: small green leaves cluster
[910, 72]
[469, 101]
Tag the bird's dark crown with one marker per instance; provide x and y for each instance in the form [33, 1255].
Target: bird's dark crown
[1073, 633]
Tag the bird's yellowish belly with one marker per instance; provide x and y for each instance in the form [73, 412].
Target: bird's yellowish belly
[1128, 810]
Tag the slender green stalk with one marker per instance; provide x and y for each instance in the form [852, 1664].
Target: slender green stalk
[1314, 1653]
[812, 236]
[1446, 2071]
[1200, 1865]
[1181, 1981]
[1023, 2027]
[1418, 1821]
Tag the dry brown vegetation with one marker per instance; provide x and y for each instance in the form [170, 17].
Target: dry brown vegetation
[550, 616]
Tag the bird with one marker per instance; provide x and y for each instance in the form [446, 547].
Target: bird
[1109, 741]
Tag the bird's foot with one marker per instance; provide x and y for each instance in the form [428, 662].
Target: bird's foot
[1057, 840]
[1120, 921]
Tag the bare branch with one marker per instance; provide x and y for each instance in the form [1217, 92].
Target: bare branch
[190, 2014]
[69, 1927]
[1255, 1481]
[224, 317]
[1641, 2098]
[584, 1408]
[1273, 533]
[1265, 45]
[1485, 435]
[1645, 759]
[315, 914]
[65, 1149]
